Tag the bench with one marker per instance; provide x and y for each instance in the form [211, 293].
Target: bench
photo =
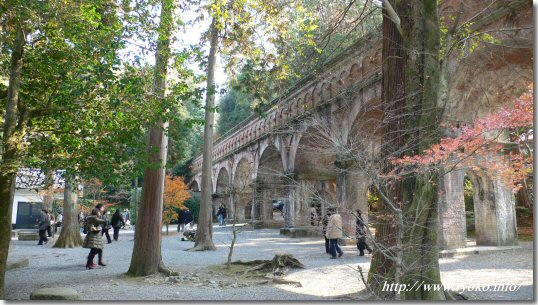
[28, 234]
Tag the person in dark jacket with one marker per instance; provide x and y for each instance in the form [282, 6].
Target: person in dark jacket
[221, 215]
[117, 222]
[106, 226]
[188, 217]
[324, 231]
[93, 239]
[43, 223]
[361, 235]
[180, 220]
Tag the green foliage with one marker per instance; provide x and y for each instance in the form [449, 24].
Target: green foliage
[185, 136]
[88, 109]
[133, 203]
[193, 204]
[297, 40]
[373, 199]
[461, 38]
[234, 107]
[468, 192]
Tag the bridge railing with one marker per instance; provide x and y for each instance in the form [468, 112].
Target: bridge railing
[223, 145]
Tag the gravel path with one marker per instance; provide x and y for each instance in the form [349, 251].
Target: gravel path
[201, 279]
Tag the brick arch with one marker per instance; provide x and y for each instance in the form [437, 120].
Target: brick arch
[283, 113]
[335, 87]
[309, 100]
[249, 137]
[307, 103]
[195, 186]
[354, 73]
[293, 107]
[198, 180]
[377, 61]
[368, 62]
[272, 120]
[222, 183]
[259, 128]
[243, 156]
[316, 96]
[343, 79]
[270, 145]
[325, 91]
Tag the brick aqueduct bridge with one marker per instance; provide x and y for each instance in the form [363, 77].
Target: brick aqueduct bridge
[254, 163]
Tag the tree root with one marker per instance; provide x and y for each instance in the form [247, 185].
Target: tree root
[276, 265]
[165, 270]
[204, 247]
[281, 281]
[365, 282]
[454, 296]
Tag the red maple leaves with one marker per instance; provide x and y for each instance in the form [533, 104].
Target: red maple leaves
[500, 143]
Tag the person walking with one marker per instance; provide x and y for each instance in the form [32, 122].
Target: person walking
[334, 231]
[181, 220]
[59, 220]
[50, 233]
[189, 219]
[221, 214]
[361, 235]
[127, 217]
[42, 225]
[105, 226]
[117, 222]
[93, 240]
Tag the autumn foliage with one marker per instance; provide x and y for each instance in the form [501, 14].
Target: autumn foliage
[175, 195]
[500, 144]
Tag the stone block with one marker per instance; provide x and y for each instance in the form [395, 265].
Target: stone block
[28, 235]
[299, 232]
[25, 262]
[347, 241]
[55, 293]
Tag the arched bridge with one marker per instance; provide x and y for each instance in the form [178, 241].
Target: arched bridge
[281, 157]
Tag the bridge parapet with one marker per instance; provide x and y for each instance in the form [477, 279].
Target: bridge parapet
[360, 64]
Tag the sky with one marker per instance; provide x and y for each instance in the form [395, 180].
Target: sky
[190, 34]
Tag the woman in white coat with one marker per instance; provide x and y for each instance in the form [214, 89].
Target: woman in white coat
[334, 232]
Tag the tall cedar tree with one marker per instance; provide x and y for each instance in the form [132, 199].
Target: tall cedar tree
[147, 256]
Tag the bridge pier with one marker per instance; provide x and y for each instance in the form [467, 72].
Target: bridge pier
[352, 190]
[493, 210]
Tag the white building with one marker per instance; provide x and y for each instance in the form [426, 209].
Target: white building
[28, 199]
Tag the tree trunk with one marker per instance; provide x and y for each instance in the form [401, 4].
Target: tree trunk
[136, 201]
[411, 63]
[7, 191]
[147, 258]
[9, 164]
[49, 190]
[70, 234]
[234, 231]
[382, 268]
[204, 232]
[422, 41]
